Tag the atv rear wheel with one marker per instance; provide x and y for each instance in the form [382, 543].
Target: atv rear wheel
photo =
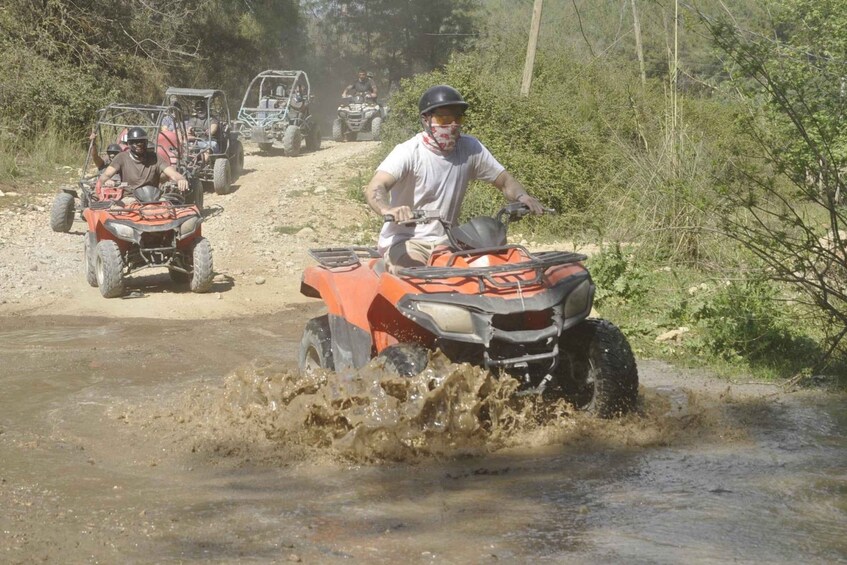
[90, 253]
[597, 370]
[313, 140]
[222, 176]
[202, 273]
[316, 346]
[376, 128]
[266, 146]
[109, 267]
[337, 130]
[62, 214]
[405, 359]
[291, 140]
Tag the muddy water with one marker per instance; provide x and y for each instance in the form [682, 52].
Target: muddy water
[147, 441]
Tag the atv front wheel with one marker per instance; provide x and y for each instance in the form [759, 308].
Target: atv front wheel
[316, 346]
[313, 140]
[237, 159]
[405, 359]
[109, 267]
[291, 140]
[90, 253]
[202, 273]
[62, 214]
[597, 370]
[337, 130]
[222, 176]
[376, 128]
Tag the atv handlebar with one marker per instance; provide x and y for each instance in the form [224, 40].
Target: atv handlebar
[506, 214]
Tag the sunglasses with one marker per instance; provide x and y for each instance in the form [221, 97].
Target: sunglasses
[444, 119]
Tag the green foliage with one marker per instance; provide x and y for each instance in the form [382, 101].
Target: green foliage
[618, 277]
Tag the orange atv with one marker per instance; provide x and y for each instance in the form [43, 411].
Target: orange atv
[156, 229]
[480, 300]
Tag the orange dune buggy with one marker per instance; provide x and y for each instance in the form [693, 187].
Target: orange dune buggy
[481, 301]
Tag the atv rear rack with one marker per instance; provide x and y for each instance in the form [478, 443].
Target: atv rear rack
[336, 257]
[538, 263]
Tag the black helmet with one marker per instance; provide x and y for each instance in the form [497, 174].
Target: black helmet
[438, 96]
[113, 148]
[136, 134]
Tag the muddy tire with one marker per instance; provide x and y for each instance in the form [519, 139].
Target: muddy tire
[316, 346]
[376, 128]
[202, 273]
[337, 130]
[597, 371]
[405, 359]
[237, 159]
[109, 267]
[291, 140]
[62, 213]
[313, 140]
[90, 258]
[222, 176]
[266, 146]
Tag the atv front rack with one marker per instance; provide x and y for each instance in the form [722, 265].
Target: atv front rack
[538, 263]
[336, 257]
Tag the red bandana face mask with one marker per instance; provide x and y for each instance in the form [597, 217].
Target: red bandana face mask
[443, 138]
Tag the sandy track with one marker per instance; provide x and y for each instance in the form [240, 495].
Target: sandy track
[260, 235]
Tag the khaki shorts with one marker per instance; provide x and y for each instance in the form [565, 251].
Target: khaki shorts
[412, 252]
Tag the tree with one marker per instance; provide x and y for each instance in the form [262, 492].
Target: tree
[788, 207]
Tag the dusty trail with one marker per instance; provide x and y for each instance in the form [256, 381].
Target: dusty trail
[259, 236]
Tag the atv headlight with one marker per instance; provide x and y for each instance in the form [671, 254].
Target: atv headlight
[122, 231]
[447, 317]
[578, 300]
[188, 227]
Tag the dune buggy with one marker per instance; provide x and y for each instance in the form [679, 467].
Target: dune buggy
[276, 107]
[111, 125]
[215, 154]
[156, 228]
[479, 300]
[357, 114]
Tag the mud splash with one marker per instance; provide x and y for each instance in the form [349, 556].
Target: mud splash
[266, 411]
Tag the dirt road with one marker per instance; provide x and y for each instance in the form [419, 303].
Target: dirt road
[259, 234]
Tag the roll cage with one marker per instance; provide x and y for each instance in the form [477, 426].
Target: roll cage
[269, 97]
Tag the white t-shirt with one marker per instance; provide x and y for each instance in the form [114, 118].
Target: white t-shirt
[428, 181]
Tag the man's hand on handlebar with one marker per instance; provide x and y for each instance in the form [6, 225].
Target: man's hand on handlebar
[182, 184]
[398, 214]
[532, 203]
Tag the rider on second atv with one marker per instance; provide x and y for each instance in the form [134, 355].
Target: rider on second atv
[431, 171]
[363, 85]
[139, 167]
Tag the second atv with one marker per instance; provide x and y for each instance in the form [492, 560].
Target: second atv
[155, 230]
[479, 300]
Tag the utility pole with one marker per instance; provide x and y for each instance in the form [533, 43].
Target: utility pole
[531, 47]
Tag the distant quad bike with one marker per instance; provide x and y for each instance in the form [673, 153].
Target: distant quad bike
[112, 124]
[358, 114]
[216, 158]
[276, 107]
[482, 301]
[156, 229]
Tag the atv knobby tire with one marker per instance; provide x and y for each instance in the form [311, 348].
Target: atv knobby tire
[202, 273]
[597, 371]
[237, 159]
[405, 359]
[266, 146]
[109, 267]
[291, 140]
[62, 214]
[337, 130]
[313, 140]
[90, 252]
[222, 176]
[376, 128]
[316, 346]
